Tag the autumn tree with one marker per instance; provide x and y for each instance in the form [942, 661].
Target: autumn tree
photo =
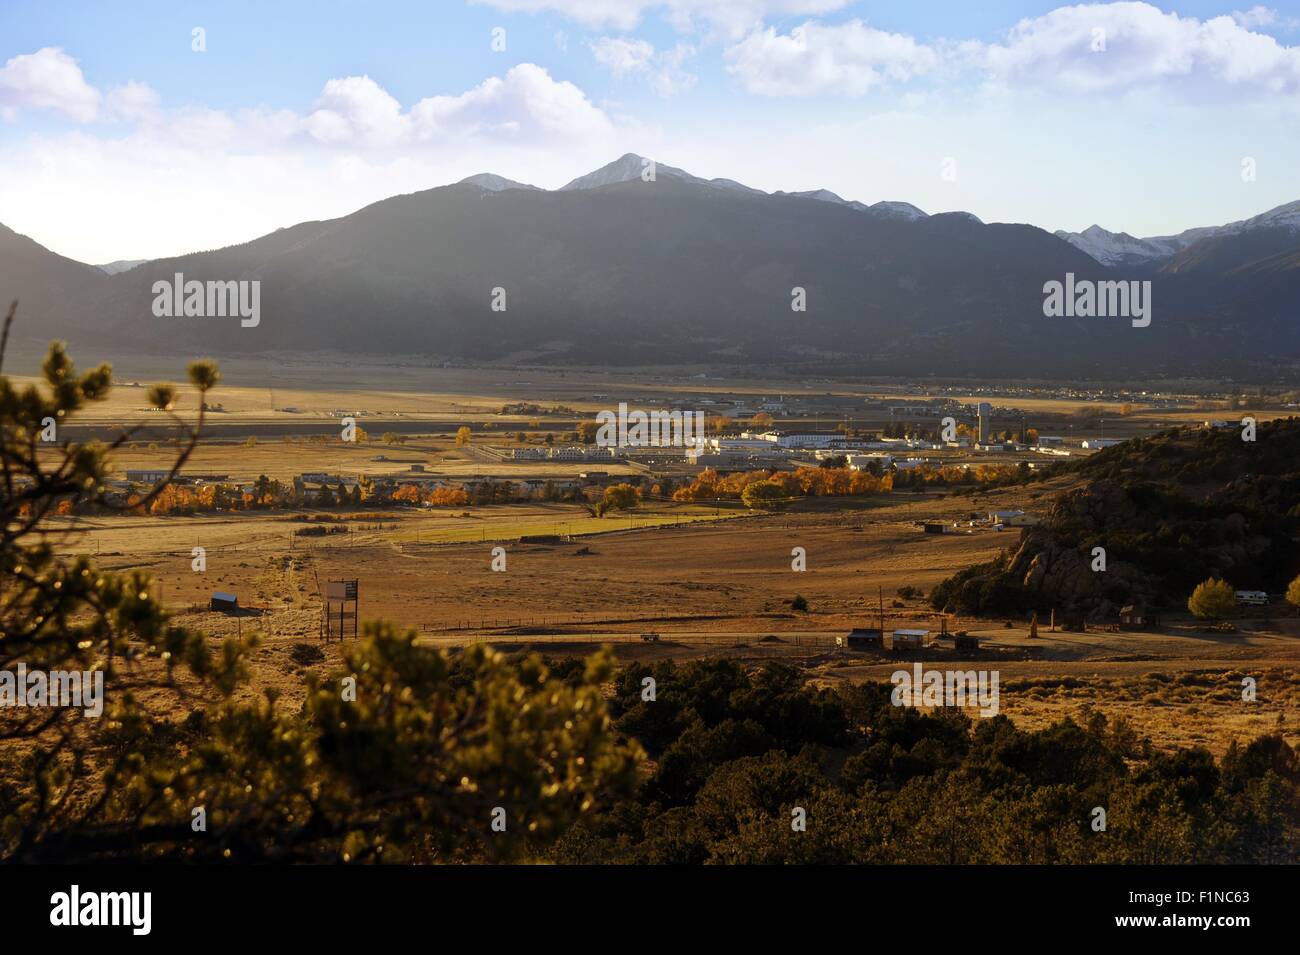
[621, 497]
[462, 435]
[1213, 599]
[763, 494]
[1293, 592]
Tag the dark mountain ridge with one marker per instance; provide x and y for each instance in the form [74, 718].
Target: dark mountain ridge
[617, 270]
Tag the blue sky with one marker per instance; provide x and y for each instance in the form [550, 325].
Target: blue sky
[120, 140]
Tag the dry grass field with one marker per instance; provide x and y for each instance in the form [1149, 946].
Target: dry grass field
[710, 581]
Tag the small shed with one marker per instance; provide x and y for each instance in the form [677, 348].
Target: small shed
[224, 602]
[909, 639]
[865, 638]
[934, 527]
[1137, 617]
[965, 641]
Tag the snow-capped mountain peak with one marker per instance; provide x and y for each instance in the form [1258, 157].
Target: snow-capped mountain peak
[1120, 248]
[493, 183]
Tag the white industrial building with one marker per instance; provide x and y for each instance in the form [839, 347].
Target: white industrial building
[803, 439]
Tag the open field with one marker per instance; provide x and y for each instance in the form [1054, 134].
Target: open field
[257, 392]
[711, 582]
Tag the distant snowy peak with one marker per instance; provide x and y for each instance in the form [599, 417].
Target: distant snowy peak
[494, 183]
[626, 168]
[897, 210]
[1282, 217]
[1120, 248]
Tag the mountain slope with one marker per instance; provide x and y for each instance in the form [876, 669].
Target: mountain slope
[630, 272]
[49, 287]
[614, 269]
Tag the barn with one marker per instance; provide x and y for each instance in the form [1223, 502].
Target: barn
[224, 602]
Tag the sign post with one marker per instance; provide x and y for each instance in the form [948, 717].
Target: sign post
[335, 613]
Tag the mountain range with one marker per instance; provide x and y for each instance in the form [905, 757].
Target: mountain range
[645, 264]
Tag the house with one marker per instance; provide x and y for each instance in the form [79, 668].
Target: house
[224, 602]
[1132, 617]
[909, 639]
[1092, 444]
[865, 638]
[1012, 519]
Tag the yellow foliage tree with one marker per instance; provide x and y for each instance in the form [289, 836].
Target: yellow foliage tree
[1212, 599]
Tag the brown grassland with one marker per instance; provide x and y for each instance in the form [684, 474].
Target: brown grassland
[718, 584]
[710, 581]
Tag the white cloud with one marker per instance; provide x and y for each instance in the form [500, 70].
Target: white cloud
[1088, 48]
[625, 57]
[1117, 46]
[47, 79]
[729, 17]
[524, 104]
[1254, 17]
[814, 59]
[196, 177]
[356, 108]
[133, 102]
[622, 56]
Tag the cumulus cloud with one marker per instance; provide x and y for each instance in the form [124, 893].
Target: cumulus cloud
[1114, 46]
[814, 59]
[1088, 48]
[1254, 17]
[525, 103]
[47, 79]
[356, 108]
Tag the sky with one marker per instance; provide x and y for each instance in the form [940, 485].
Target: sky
[139, 129]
